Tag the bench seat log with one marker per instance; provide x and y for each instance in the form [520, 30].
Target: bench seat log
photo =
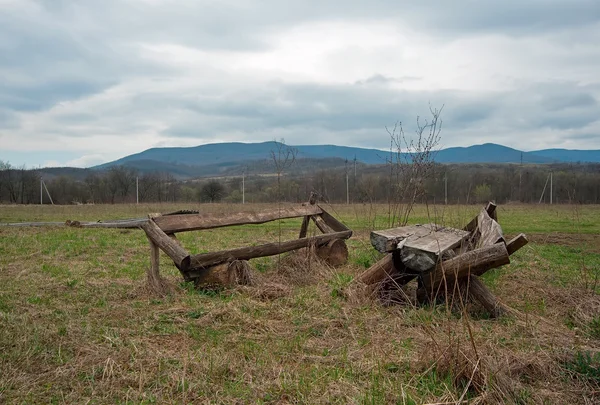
[194, 222]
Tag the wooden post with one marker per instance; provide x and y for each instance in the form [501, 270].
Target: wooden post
[312, 200]
[155, 281]
[180, 256]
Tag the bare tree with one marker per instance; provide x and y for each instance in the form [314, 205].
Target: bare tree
[282, 158]
[411, 163]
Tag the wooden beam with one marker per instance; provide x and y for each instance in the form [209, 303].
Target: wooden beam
[321, 224]
[516, 243]
[312, 200]
[474, 262]
[479, 292]
[330, 220]
[379, 271]
[269, 249]
[179, 255]
[193, 222]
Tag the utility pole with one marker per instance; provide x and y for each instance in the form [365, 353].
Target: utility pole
[520, 176]
[137, 190]
[41, 191]
[347, 189]
[446, 188]
[47, 192]
[544, 190]
[244, 186]
[550, 188]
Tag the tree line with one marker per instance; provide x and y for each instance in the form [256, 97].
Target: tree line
[454, 184]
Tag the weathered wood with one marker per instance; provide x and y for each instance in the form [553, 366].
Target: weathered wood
[420, 245]
[312, 200]
[475, 262]
[490, 208]
[479, 292]
[192, 222]
[516, 243]
[334, 253]
[179, 255]
[321, 224]
[330, 220]
[489, 232]
[269, 249]
[387, 240]
[155, 281]
[223, 275]
[379, 271]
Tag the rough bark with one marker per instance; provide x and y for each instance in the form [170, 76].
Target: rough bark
[475, 262]
[516, 243]
[223, 275]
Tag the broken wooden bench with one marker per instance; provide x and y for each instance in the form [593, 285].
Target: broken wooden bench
[444, 260]
[224, 266]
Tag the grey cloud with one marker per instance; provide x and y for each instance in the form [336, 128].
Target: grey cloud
[72, 50]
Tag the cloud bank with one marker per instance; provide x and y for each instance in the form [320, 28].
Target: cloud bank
[83, 82]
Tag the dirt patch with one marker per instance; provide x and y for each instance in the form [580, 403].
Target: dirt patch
[590, 242]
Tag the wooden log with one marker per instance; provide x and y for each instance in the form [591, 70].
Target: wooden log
[269, 249]
[155, 281]
[223, 275]
[321, 224]
[475, 262]
[480, 293]
[192, 222]
[312, 200]
[516, 243]
[379, 271]
[334, 253]
[179, 255]
[330, 220]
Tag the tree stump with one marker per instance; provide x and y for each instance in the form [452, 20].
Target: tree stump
[223, 275]
[334, 253]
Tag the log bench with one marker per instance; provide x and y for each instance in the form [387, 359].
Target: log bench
[444, 260]
[226, 265]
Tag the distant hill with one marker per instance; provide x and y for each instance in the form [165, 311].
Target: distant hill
[223, 158]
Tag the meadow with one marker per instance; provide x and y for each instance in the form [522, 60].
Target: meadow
[79, 325]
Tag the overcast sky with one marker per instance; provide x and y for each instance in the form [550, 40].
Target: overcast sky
[88, 81]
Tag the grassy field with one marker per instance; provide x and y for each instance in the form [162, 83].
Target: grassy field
[78, 324]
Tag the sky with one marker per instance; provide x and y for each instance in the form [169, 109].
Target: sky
[85, 82]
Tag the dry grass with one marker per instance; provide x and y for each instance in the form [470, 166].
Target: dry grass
[78, 324]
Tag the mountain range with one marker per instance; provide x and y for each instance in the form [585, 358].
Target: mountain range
[228, 158]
